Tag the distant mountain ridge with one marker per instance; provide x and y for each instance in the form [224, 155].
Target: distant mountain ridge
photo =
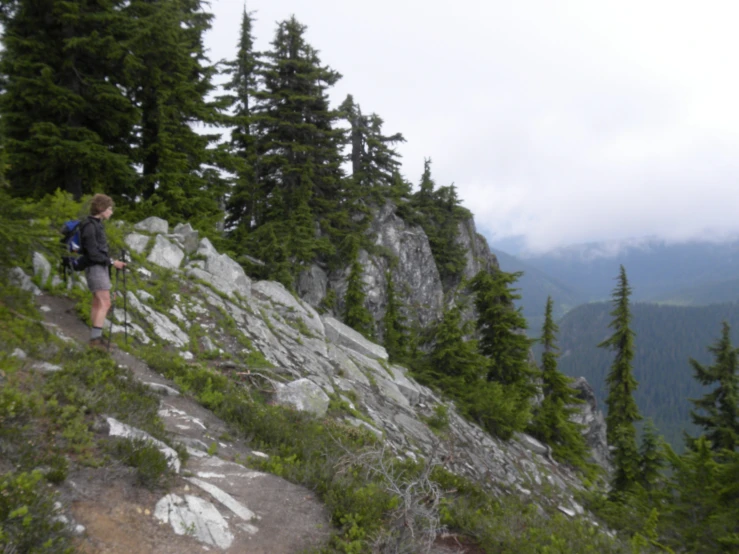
[702, 295]
[656, 268]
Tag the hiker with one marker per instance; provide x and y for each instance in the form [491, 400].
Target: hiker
[94, 246]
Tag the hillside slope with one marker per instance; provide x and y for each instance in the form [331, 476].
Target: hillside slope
[194, 317]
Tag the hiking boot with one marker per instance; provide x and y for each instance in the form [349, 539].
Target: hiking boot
[98, 344]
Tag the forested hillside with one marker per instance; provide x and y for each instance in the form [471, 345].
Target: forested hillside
[666, 337]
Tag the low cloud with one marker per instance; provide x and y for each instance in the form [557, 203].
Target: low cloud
[563, 122]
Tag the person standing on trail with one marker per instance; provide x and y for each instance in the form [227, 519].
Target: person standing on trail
[94, 246]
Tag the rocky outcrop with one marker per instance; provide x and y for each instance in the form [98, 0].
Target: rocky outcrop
[308, 359]
[415, 276]
[318, 356]
[405, 252]
[594, 423]
[477, 252]
[19, 278]
[137, 242]
[41, 267]
[226, 275]
[153, 225]
[165, 254]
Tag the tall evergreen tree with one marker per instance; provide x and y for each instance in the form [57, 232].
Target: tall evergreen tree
[66, 119]
[374, 161]
[245, 202]
[501, 327]
[427, 185]
[696, 510]
[395, 331]
[173, 78]
[622, 409]
[455, 365]
[552, 421]
[719, 409]
[299, 146]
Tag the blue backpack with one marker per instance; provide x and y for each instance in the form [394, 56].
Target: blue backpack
[73, 245]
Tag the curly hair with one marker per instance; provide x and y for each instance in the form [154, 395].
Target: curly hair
[100, 203]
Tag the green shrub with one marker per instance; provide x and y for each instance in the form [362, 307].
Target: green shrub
[152, 468]
[439, 422]
[28, 518]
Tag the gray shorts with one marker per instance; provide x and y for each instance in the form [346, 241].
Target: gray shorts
[98, 278]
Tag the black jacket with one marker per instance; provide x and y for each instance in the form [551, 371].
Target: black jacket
[94, 244]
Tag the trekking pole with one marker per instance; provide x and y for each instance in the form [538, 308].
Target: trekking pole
[112, 302]
[125, 297]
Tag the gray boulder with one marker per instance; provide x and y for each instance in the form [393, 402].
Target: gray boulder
[137, 242]
[343, 335]
[304, 395]
[153, 225]
[41, 267]
[206, 249]
[223, 273]
[188, 236]
[166, 254]
[19, 278]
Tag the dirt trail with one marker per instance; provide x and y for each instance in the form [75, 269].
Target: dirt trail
[214, 505]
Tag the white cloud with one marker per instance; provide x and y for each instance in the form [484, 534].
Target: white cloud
[564, 122]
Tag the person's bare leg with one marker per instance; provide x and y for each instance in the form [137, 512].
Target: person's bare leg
[98, 313]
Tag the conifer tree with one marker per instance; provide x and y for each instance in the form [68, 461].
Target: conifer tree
[427, 186]
[622, 409]
[439, 213]
[395, 331]
[695, 509]
[455, 366]
[173, 78]
[719, 409]
[501, 327]
[651, 458]
[299, 147]
[245, 202]
[356, 314]
[449, 254]
[273, 252]
[399, 187]
[66, 118]
[374, 161]
[552, 421]
[302, 240]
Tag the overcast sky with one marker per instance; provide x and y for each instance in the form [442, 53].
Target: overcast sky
[559, 121]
